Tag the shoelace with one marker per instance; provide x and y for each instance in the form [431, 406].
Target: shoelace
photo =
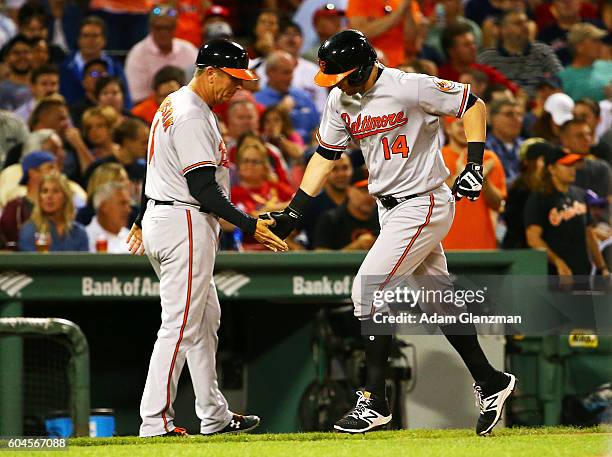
[478, 396]
[362, 404]
[180, 430]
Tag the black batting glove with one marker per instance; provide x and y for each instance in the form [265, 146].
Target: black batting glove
[285, 221]
[469, 182]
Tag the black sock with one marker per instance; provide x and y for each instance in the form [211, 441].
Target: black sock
[469, 349]
[377, 349]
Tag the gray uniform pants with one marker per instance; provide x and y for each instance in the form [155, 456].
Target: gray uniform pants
[181, 244]
[409, 246]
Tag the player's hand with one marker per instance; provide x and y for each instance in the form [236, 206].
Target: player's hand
[74, 137]
[265, 236]
[562, 268]
[284, 222]
[134, 240]
[469, 182]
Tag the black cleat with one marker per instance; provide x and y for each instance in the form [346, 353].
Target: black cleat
[177, 431]
[238, 424]
[490, 399]
[369, 413]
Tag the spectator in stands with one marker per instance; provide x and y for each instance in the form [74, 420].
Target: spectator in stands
[108, 230]
[506, 120]
[52, 113]
[516, 57]
[592, 173]
[327, 21]
[276, 128]
[215, 17]
[257, 192]
[109, 91]
[92, 40]
[242, 117]
[92, 71]
[389, 26]
[18, 210]
[98, 126]
[167, 80]
[459, 45]
[587, 76]
[127, 20]
[32, 20]
[280, 91]
[132, 137]
[589, 111]
[447, 13]
[40, 53]
[13, 132]
[532, 164]
[558, 109]
[15, 90]
[556, 218]
[158, 49]
[106, 172]
[355, 222]
[275, 157]
[565, 14]
[332, 196]
[266, 32]
[290, 40]
[45, 82]
[478, 81]
[52, 226]
[479, 216]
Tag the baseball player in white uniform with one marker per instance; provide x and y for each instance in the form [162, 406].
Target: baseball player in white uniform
[394, 118]
[185, 191]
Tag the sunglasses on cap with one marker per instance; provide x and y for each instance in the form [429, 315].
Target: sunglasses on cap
[163, 11]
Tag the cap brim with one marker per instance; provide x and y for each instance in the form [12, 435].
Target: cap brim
[241, 73]
[570, 159]
[325, 80]
[361, 184]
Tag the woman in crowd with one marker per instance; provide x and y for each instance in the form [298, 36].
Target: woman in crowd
[276, 129]
[532, 164]
[109, 91]
[52, 226]
[98, 126]
[556, 219]
[256, 192]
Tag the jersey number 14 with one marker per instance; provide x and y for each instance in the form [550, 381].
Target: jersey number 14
[399, 146]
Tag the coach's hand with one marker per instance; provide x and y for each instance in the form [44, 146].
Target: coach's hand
[285, 221]
[469, 182]
[134, 240]
[265, 236]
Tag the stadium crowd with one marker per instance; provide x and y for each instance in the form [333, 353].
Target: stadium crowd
[80, 83]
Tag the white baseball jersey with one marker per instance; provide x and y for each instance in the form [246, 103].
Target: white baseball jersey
[396, 126]
[184, 136]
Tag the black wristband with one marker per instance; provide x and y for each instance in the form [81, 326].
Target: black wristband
[475, 152]
[300, 201]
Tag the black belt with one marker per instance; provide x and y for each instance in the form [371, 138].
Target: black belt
[171, 203]
[390, 202]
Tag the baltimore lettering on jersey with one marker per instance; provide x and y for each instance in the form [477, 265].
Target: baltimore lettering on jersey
[372, 125]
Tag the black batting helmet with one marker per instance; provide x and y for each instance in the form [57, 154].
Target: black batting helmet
[227, 56]
[347, 53]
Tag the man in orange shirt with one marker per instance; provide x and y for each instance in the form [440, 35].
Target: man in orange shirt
[167, 80]
[389, 25]
[473, 217]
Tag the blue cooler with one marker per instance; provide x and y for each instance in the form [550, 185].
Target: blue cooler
[101, 424]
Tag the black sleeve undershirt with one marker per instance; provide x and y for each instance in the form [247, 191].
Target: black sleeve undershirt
[206, 190]
[143, 201]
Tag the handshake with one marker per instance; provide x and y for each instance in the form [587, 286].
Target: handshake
[272, 228]
[284, 222]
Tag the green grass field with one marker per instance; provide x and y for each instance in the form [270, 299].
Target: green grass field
[540, 442]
